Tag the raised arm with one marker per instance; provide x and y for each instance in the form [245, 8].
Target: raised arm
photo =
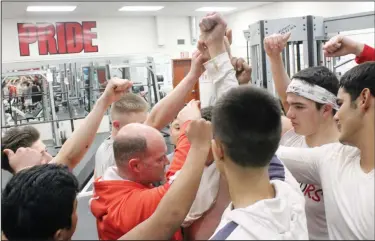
[274, 45]
[340, 45]
[176, 203]
[219, 69]
[167, 109]
[77, 145]
[304, 163]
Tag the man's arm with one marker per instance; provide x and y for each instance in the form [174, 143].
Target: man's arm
[368, 54]
[77, 145]
[219, 69]
[340, 45]
[174, 206]
[274, 45]
[180, 153]
[167, 109]
[304, 163]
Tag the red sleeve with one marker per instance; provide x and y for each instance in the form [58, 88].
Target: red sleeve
[368, 54]
[180, 153]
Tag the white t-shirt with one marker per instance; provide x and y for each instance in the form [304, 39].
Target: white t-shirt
[279, 218]
[348, 190]
[315, 213]
[104, 157]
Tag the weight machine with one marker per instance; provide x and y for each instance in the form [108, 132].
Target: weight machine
[152, 78]
[47, 97]
[304, 47]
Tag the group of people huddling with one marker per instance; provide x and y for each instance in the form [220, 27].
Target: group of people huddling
[240, 169]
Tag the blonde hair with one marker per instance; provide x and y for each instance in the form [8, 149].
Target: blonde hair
[129, 103]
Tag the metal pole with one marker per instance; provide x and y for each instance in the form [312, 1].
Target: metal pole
[149, 87]
[154, 78]
[90, 87]
[76, 76]
[298, 56]
[287, 59]
[46, 113]
[293, 60]
[55, 129]
[2, 109]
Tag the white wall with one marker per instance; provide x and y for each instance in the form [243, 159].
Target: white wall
[241, 20]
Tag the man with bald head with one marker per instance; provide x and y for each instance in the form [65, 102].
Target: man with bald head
[135, 141]
[125, 196]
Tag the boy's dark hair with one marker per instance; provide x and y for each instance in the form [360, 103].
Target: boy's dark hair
[37, 202]
[15, 138]
[206, 113]
[247, 122]
[358, 78]
[320, 76]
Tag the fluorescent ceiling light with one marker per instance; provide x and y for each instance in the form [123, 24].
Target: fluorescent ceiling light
[50, 8]
[140, 8]
[215, 9]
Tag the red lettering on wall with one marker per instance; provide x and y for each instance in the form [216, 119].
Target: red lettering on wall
[26, 36]
[46, 39]
[74, 37]
[88, 36]
[62, 38]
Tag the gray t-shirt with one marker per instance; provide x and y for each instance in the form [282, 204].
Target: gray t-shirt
[104, 157]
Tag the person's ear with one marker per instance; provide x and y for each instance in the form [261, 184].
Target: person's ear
[59, 235]
[116, 124]
[327, 110]
[217, 150]
[134, 165]
[210, 158]
[364, 100]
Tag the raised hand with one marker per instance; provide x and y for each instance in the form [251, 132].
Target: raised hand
[23, 158]
[190, 112]
[213, 29]
[202, 47]
[115, 88]
[197, 62]
[199, 133]
[275, 43]
[341, 45]
[243, 70]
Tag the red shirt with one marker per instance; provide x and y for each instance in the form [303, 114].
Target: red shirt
[120, 205]
[368, 54]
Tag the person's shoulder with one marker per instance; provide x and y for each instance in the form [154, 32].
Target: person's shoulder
[105, 145]
[286, 191]
[291, 138]
[339, 148]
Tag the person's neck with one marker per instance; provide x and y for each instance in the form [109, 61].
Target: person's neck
[366, 144]
[248, 185]
[327, 133]
[127, 176]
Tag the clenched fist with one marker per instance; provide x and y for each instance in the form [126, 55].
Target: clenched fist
[243, 70]
[116, 88]
[199, 133]
[190, 112]
[23, 158]
[341, 46]
[275, 43]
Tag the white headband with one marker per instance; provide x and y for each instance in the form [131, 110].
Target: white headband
[312, 92]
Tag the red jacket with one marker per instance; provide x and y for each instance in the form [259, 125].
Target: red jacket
[368, 54]
[120, 205]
